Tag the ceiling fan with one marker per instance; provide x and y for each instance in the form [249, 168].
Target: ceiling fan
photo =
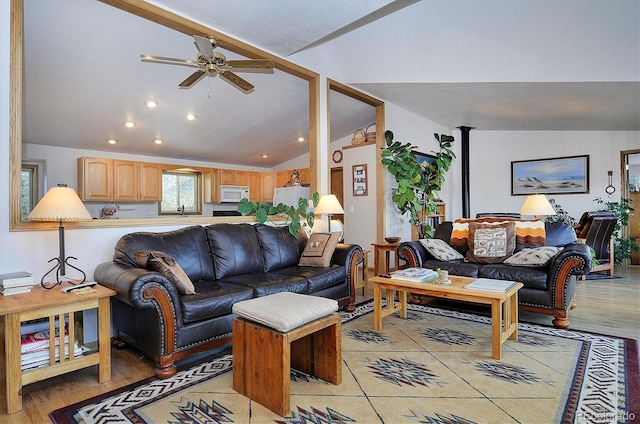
[210, 61]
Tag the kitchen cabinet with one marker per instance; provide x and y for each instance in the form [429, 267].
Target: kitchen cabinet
[255, 186]
[282, 177]
[305, 176]
[95, 180]
[267, 184]
[116, 180]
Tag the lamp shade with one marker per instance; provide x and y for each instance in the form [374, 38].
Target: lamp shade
[60, 204]
[328, 204]
[537, 204]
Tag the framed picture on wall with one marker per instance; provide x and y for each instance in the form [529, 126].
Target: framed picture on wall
[359, 179]
[424, 159]
[564, 175]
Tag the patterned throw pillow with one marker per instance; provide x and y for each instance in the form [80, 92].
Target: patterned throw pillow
[167, 266]
[440, 250]
[491, 243]
[319, 249]
[529, 233]
[534, 258]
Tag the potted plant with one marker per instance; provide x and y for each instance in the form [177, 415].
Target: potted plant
[418, 186]
[293, 216]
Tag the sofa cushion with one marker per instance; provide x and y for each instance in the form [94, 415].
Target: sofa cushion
[188, 246]
[213, 299]
[235, 249]
[491, 242]
[559, 234]
[319, 249]
[280, 249]
[460, 268]
[439, 249]
[270, 283]
[318, 278]
[532, 278]
[167, 266]
[537, 257]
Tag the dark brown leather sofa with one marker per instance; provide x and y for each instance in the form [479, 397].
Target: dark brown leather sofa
[547, 290]
[227, 263]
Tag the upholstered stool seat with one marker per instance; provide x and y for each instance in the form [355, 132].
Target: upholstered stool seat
[273, 333]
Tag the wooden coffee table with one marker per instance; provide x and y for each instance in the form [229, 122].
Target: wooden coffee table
[504, 306]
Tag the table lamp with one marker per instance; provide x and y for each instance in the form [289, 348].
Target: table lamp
[328, 204]
[60, 204]
[536, 205]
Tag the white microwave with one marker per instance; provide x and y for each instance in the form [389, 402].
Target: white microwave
[233, 193]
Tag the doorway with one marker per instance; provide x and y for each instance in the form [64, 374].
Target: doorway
[337, 189]
[630, 172]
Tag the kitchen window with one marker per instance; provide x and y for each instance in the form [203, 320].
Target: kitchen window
[180, 193]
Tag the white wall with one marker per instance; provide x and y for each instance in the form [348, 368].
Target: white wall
[491, 153]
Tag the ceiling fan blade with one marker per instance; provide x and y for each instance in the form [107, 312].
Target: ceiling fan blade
[151, 58]
[256, 63]
[192, 79]
[237, 81]
[204, 45]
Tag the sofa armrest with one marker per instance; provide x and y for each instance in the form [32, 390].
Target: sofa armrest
[139, 287]
[574, 259]
[349, 255]
[414, 253]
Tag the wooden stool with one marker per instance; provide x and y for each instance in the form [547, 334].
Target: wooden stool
[263, 356]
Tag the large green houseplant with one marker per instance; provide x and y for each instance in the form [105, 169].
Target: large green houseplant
[295, 217]
[418, 186]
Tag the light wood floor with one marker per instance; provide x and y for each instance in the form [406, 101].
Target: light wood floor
[604, 306]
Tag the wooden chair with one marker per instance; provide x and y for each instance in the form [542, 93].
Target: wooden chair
[596, 229]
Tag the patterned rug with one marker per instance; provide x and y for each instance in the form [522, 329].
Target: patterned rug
[433, 367]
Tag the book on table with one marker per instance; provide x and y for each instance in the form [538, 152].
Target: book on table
[490, 284]
[8, 291]
[416, 275]
[16, 279]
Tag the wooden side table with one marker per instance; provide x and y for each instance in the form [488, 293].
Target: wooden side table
[57, 306]
[362, 283]
[387, 248]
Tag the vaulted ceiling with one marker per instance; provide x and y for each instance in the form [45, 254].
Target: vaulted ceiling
[84, 77]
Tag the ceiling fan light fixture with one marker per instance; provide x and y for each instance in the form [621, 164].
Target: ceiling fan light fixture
[157, 140]
[129, 124]
[151, 104]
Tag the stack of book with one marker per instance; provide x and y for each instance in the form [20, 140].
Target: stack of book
[35, 349]
[15, 283]
[415, 275]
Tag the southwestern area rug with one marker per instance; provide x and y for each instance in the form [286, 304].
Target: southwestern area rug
[433, 367]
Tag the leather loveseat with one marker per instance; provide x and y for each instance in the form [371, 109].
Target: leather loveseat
[548, 288]
[226, 263]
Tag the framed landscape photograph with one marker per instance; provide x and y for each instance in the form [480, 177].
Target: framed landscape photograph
[564, 175]
[424, 159]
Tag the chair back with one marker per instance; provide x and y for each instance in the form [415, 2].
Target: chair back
[596, 228]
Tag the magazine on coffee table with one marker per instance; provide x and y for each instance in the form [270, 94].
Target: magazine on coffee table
[415, 275]
[490, 284]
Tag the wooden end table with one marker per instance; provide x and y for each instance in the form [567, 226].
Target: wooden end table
[504, 306]
[387, 248]
[54, 305]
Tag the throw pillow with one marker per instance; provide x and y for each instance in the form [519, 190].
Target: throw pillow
[491, 243]
[534, 258]
[319, 249]
[440, 250]
[167, 266]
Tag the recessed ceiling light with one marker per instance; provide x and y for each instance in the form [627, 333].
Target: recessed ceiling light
[191, 117]
[157, 140]
[264, 156]
[151, 103]
[129, 124]
[300, 139]
[112, 141]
